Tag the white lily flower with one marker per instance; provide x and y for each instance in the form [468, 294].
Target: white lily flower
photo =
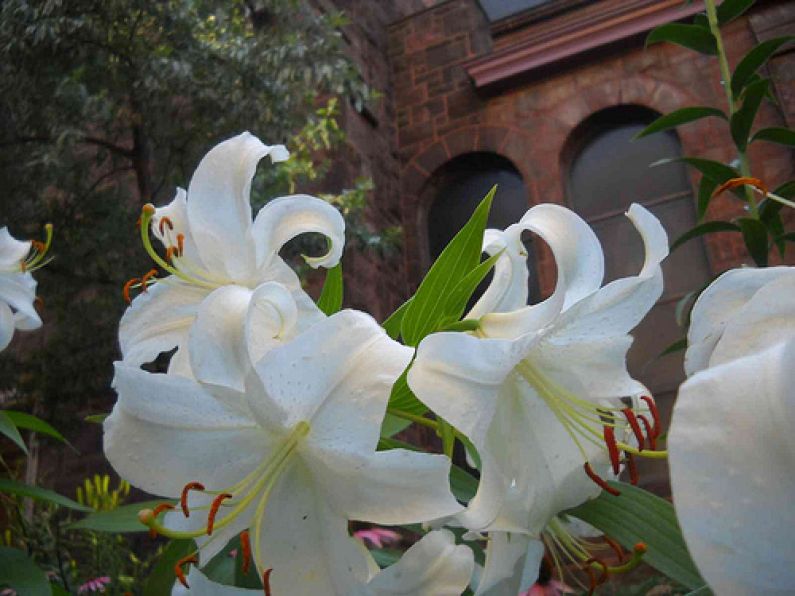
[293, 460]
[217, 258]
[434, 566]
[732, 453]
[538, 388]
[17, 286]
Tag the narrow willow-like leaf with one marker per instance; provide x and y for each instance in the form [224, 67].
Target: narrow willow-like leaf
[36, 424]
[731, 9]
[392, 323]
[9, 429]
[121, 520]
[161, 579]
[679, 117]
[715, 170]
[636, 516]
[782, 136]
[456, 261]
[753, 61]
[462, 292]
[12, 487]
[743, 119]
[706, 188]
[693, 37]
[755, 238]
[709, 227]
[330, 300]
[21, 574]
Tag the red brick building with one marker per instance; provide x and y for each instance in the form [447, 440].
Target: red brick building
[544, 96]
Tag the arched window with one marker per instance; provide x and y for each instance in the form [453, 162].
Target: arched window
[607, 172]
[458, 187]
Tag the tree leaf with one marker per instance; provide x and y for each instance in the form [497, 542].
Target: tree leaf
[121, 520]
[775, 134]
[330, 300]
[706, 187]
[161, 579]
[36, 424]
[19, 572]
[42, 494]
[755, 237]
[679, 117]
[709, 227]
[715, 170]
[754, 60]
[392, 323]
[786, 190]
[636, 516]
[456, 261]
[9, 429]
[693, 37]
[457, 299]
[731, 9]
[743, 119]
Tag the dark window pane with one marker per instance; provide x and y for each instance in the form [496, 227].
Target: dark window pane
[499, 9]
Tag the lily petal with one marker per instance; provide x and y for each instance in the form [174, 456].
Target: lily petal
[18, 290]
[731, 452]
[284, 218]
[509, 564]
[272, 318]
[158, 320]
[218, 208]
[718, 305]
[6, 325]
[508, 289]
[166, 431]
[201, 585]
[12, 251]
[176, 222]
[434, 566]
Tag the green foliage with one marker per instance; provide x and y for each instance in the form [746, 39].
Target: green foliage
[679, 117]
[754, 60]
[97, 494]
[123, 519]
[330, 300]
[35, 424]
[694, 37]
[775, 134]
[161, 579]
[731, 9]
[9, 429]
[636, 516]
[709, 227]
[743, 119]
[17, 571]
[12, 487]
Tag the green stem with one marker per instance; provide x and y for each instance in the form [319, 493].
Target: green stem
[725, 72]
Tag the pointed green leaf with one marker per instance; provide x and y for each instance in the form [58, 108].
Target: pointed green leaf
[706, 188]
[459, 297]
[330, 300]
[19, 572]
[96, 418]
[9, 429]
[715, 170]
[782, 136]
[120, 520]
[753, 60]
[392, 323]
[786, 190]
[755, 237]
[693, 37]
[731, 9]
[21, 489]
[743, 119]
[462, 255]
[709, 227]
[392, 425]
[636, 516]
[30, 422]
[161, 579]
[679, 117]
[402, 398]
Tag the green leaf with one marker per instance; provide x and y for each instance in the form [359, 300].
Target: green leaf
[9, 429]
[58, 590]
[403, 398]
[786, 190]
[770, 216]
[30, 422]
[96, 418]
[743, 119]
[706, 188]
[121, 520]
[755, 237]
[636, 516]
[702, 591]
[715, 170]
[693, 37]
[457, 299]
[731, 9]
[42, 494]
[456, 261]
[753, 60]
[392, 323]
[17, 571]
[679, 117]
[709, 227]
[386, 556]
[161, 579]
[330, 300]
[392, 425]
[677, 346]
[775, 134]
[463, 484]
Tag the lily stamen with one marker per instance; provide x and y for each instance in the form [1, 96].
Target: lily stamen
[180, 573]
[183, 499]
[612, 448]
[651, 435]
[266, 581]
[164, 221]
[38, 250]
[125, 292]
[147, 277]
[216, 504]
[632, 467]
[601, 482]
[245, 548]
[633, 424]
[655, 414]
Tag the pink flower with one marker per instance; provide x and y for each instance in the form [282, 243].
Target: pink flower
[94, 585]
[377, 537]
[550, 588]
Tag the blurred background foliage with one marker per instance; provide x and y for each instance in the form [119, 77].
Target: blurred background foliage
[109, 104]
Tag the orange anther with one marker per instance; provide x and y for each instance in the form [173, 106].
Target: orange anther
[180, 573]
[655, 414]
[633, 469]
[147, 276]
[183, 499]
[181, 244]
[171, 251]
[38, 246]
[266, 581]
[599, 480]
[651, 436]
[640, 548]
[741, 181]
[161, 508]
[138, 222]
[151, 515]
[164, 221]
[245, 547]
[633, 423]
[214, 510]
[612, 448]
[127, 287]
